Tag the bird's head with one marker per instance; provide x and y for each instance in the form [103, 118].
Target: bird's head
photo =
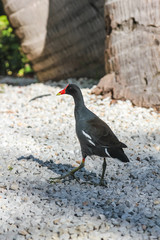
[70, 89]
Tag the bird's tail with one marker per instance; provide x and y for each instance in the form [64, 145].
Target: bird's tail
[118, 153]
[123, 157]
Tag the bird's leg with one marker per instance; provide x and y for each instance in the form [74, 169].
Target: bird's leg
[103, 172]
[72, 172]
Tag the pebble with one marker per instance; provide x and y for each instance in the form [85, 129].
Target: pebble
[115, 222]
[38, 141]
[14, 186]
[23, 232]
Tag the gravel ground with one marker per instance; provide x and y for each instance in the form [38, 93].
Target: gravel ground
[38, 141]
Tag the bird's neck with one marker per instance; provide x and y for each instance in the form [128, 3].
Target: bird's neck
[78, 100]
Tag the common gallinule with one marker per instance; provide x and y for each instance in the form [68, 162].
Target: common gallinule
[95, 136]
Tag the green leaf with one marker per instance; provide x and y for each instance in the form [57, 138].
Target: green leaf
[12, 59]
[10, 168]
[28, 68]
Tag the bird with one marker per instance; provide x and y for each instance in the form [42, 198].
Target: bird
[94, 135]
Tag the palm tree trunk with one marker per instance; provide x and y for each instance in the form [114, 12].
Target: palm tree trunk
[132, 52]
[62, 38]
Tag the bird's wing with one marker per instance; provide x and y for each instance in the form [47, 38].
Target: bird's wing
[102, 135]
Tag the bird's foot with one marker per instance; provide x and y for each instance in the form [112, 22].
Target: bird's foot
[59, 179]
[102, 183]
[55, 180]
[71, 173]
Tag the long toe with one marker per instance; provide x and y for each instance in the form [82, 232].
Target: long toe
[59, 179]
[102, 183]
[77, 179]
[55, 180]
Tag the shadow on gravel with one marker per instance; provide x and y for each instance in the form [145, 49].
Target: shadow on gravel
[121, 202]
[62, 169]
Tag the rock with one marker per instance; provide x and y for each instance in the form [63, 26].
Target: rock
[79, 214]
[105, 85]
[23, 232]
[14, 186]
[102, 217]
[115, 222]
[64, 236]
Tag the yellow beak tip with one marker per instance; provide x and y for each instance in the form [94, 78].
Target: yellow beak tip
[58, 94]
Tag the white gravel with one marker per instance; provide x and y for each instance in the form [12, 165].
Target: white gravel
[38, 141]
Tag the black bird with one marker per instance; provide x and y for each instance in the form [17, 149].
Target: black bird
[95, 136]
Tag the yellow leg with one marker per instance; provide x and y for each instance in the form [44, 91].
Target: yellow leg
[72, 172]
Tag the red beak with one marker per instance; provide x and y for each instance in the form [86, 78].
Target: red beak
[63, 91]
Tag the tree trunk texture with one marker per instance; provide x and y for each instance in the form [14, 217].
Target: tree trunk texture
[62, 38]
[132, 52]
